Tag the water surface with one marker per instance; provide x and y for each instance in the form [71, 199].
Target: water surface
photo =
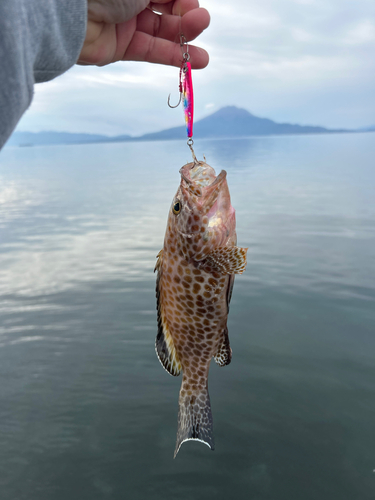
[86, 410]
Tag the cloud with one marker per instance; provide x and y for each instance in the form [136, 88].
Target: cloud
[362, 33]
[305, 61]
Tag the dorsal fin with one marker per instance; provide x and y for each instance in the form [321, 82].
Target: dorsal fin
[159, 262]
[223, 355]
[164, 346]
[225, 260]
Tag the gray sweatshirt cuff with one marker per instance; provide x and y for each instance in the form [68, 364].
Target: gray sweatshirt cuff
[62, 28]
[39, 40]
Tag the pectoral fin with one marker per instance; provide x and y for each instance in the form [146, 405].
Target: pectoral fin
[164, 345]
[223, 355]
[226, 260]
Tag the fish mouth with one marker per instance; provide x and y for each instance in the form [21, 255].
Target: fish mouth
[200, 180]
[202, 187]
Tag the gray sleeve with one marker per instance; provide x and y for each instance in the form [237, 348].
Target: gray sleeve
[39, 40]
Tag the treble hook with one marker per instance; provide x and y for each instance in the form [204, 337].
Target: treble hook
[190, 143]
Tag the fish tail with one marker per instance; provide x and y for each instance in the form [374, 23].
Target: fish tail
[194, 418]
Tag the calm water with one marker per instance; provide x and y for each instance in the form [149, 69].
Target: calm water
[86, 410]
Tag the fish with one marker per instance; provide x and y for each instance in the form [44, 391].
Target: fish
[195, 276]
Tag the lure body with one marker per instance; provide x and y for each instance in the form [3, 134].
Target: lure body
[187, 97]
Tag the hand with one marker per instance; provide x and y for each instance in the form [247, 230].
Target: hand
[131, 30]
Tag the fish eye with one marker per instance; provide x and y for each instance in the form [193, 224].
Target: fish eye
[176, 207]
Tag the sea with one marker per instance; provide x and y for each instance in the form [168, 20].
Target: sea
[86, 410]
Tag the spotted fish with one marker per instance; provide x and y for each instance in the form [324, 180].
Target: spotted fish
[195, 275]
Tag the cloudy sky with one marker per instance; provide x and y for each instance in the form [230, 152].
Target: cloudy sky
[297, 61]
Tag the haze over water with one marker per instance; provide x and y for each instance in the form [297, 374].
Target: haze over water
[87, 411]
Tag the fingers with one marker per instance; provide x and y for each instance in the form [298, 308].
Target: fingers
[157, 37]
[168, 27]
[144, 47]
[194, 22]
[149, 36]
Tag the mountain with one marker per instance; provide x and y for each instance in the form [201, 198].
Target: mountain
[236, 122]
[371, 128]
[226, 122]
[46, 138]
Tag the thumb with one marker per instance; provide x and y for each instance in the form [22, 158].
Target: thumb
[114, 11]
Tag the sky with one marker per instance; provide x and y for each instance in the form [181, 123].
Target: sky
[310, 62]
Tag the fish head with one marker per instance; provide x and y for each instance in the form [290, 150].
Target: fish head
[201, 216]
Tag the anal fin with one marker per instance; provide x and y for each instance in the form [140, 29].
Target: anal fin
[223, 355]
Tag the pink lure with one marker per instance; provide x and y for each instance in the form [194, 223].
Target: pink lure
[187, 95]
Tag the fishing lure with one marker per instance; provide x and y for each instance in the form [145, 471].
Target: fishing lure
[186, 91]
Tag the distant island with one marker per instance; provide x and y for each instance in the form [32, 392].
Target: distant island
[226, 122]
